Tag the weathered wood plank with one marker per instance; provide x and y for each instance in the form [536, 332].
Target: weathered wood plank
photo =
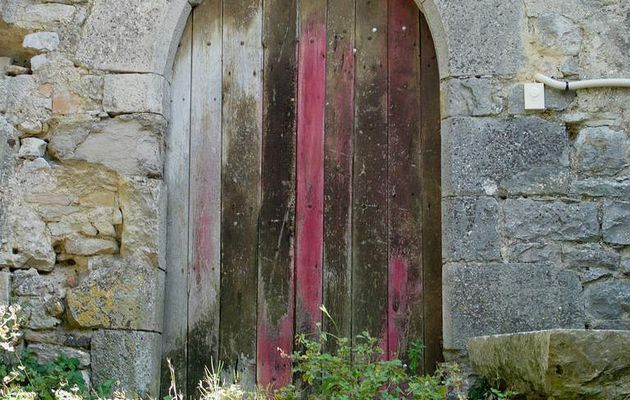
[205, 191]
[431, 181]
[404, 184]
[369, 213]
[277, 215]
[242, 120]
[338, 166]
[176, 170]
[310, 163]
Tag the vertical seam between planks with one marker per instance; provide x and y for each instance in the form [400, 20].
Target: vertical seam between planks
[387, 179]
[188, 227]
[220, 166]
[323, 154]
[354, 131]
[298, 21]
[261, 132]
[423, 187]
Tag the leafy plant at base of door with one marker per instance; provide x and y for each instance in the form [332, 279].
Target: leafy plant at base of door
[354, 371]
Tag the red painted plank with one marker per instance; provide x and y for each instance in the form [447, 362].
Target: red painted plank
[431, 232]
[369, 213]
[275, 233]
[310, 163]
[404, 181]
[338, 166]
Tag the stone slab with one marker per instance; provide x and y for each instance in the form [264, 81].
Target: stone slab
[616, 222]
[118, 293]
[132, 36]
[607, 304]
[527, 219]
[135, 93]
[131, 145]
[129, 357]
[499, 26]
[505, 298]
[558, 364]
[470, 229]
[479, 154]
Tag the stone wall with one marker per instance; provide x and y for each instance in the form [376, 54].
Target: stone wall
[536, 204]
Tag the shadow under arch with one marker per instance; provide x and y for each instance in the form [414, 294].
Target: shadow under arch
[177, 337]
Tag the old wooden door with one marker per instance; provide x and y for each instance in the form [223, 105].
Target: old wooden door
[303, 169]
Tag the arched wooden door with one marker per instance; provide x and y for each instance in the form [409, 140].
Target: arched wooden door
[303, 169]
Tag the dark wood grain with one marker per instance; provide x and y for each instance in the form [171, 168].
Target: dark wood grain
[369, 211]
[242, 126]
[338, 166]
[277, 215]
[431, 181]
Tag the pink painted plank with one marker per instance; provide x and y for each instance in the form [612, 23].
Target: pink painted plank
[276, 300]
[310, 163]
[404, 182]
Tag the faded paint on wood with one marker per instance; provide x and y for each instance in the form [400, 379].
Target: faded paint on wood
[404, 178]
[176, 170]
[432, 217]
[242, 119]
[364, 197]
[205, 191]
[310, 163]
[369, 213]
[277, 214]
[338, 166]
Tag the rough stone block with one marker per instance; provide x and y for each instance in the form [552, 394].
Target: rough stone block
[82, 246]
[131, 145]
[118, 294]
[5, 288]
[616, 222]
[507, 298]
[537, 181]
[530, 252]
[22, 101]
[131, 358]
[607, 304]
[28, 243]
[132, 36]
[527, 219]
[143, 204]
[32, 148]
[38, 15]
[479, 154]
[471, 97]
[135, 93]
[48, 353]
[596, 187]
[470, 229]
[500, 26]
[590, 261]
[558, 364]
[601, 151]
[43, 41]
[589, 255]
[36, 311]
[559, 33]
